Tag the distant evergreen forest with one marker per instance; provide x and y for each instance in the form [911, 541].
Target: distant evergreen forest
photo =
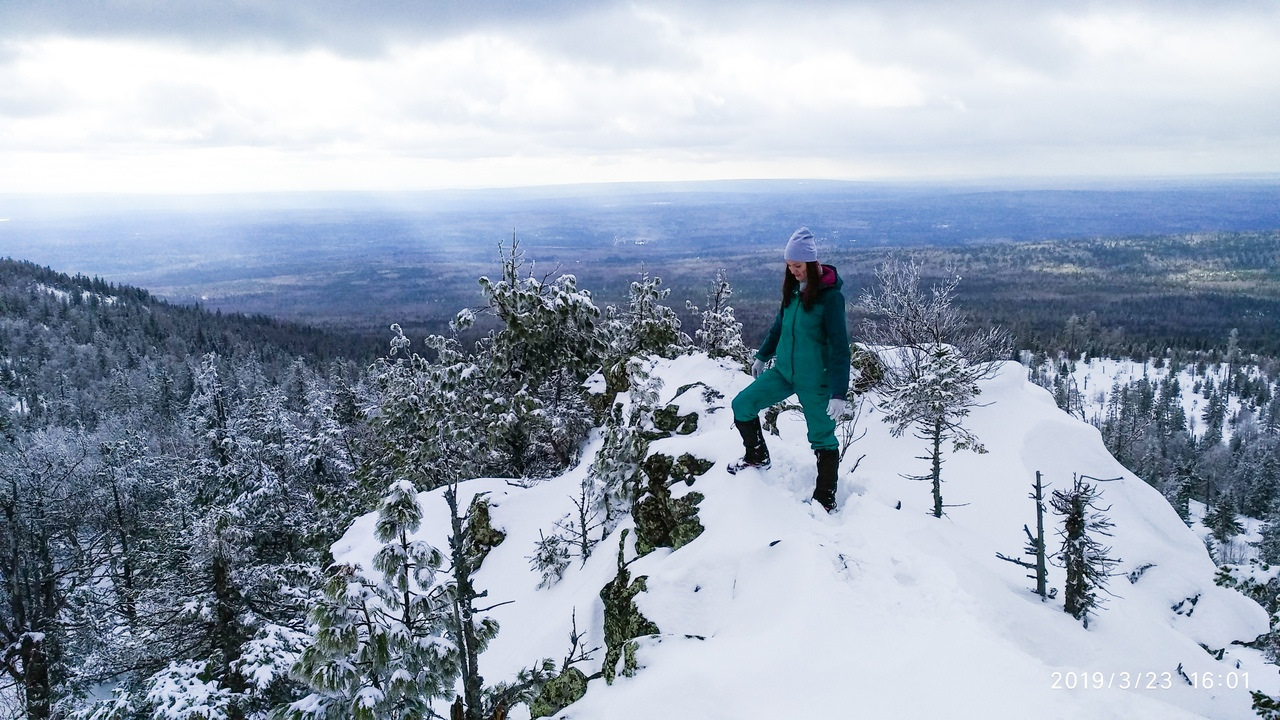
[1140, 295]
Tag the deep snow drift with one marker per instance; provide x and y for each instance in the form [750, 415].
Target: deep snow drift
[778, 610]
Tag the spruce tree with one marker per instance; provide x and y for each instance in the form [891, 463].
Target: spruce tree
[1269, 545]
[1086, 560]
[1221, 520]
[932, 381]
[933, 401]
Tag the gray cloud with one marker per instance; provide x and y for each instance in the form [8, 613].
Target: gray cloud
[622, 37]
[920, 87]
[356, 28]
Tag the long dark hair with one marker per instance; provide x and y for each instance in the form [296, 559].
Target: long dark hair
[812, 282]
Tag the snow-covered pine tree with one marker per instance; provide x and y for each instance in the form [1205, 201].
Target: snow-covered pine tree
[430, 432]
[46, 559]
[933, 401]
[720, 335]
[111, 620]
[644, 327]
[931, 382]
[191, 597]
[1087, 561]
[1128, 420]
[233, 555]
[379, 639]
[1269, 417]
[430, 425]
[334, 437]
[1269, 545]
[209, 412]
[549, 325]
[1266, 706]
[535, 364]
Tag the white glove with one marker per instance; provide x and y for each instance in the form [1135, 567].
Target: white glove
[757, 367]
[837, 408]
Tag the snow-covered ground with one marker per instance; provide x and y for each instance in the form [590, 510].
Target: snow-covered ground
[880, 610]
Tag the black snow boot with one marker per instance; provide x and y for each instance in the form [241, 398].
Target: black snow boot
[828, 467]
[757, 453]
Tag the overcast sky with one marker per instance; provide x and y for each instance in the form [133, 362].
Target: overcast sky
[249, 95]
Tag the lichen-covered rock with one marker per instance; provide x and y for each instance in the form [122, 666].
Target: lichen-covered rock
[559, 693]
[868, 371]
[663, 521]
[669, 420]
[623, 621]
[709, 394]
[482, 534]
[770, 420]
[687, 467]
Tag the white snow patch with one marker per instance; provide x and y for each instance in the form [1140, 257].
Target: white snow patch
[65, 296]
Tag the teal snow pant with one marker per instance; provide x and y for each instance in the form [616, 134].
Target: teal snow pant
[771, 388]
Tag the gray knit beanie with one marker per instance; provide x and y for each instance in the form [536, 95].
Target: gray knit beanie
[801, 247]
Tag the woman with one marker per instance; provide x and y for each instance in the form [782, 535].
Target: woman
[810, 344]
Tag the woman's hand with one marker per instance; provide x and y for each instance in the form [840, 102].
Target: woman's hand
[837, 408]
[757, 367]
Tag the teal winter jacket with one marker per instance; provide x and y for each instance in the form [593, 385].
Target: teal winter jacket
[812, 346]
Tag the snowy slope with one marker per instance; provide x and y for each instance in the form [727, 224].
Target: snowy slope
[778, 611]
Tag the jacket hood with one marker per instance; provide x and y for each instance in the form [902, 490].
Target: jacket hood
[830, 278]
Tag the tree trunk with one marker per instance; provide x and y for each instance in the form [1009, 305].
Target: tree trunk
[226, 632]
[937, 468]
[1042, 571]
[35, 680]
[126, 557]
[464, 612]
